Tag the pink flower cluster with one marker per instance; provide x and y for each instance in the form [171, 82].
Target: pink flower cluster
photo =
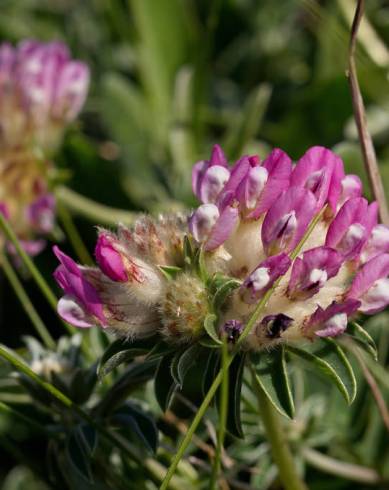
[42, 90]
[253, 216]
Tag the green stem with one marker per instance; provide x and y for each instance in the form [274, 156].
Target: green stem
[29, 308]
[216, 382]
[222, 417]
[74, 236]
[279, 445]
[350, 471]
[6, 409]
[94, 211]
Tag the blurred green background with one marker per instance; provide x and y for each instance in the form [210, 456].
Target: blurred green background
[172, 77]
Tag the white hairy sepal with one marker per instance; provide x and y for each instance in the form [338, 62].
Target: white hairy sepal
[245, 248]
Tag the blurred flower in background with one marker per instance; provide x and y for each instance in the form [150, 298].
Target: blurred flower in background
[42, 91]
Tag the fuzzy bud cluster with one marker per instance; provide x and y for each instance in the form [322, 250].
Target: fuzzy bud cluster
[254, 229]
[42, 90]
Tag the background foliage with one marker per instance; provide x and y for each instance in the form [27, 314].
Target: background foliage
[170, 78]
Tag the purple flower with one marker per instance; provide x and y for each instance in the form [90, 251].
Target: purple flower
[81, 306]
[41, 213]
[212, 228]
[286, 221]
[371, 285]
[350, 229]
[209, 176]
[274, 325]
[333, 320]
[232, 329]
[263, 277]
[109, 258]
[311, 272]
[321, 172]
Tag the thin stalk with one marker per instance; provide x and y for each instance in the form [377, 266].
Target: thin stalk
[74, 236]
[367, 147]
[222, 417]
[94, 211]
[216, 382]
[279, 445]
[28, 307]
[350, 471]
[39, 279]
[153, 467]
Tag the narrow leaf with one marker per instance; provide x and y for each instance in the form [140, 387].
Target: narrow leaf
[363, 339]
[132, 419]
[334, 354]
[164, 384]
[138, 347]
[321, 365]
[186, 361]
[209, 325]
[169, 271]
[223, 292]
[236, 370]
[273, 377]
[78, 457]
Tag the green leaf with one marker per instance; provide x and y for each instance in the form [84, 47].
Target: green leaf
[209, 325]
[82, 384]
[224, 291]
[136, 374]
[159, 350]
[189, 252]
[209, 343]
[80, 446]
[235, 373]
[164, 383]
[133, 348]
[211, 368]
[169, 271]
[200, 261]
[362, 338]
[330, 361]
[116, 360]
[183, 361]
[134, 422]
[338, 359]
[272, 375]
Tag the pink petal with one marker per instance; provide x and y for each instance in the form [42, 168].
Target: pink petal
[376, 268]
[72, 312]
[223, 229]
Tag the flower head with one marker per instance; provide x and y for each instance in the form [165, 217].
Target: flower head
[299, 241]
